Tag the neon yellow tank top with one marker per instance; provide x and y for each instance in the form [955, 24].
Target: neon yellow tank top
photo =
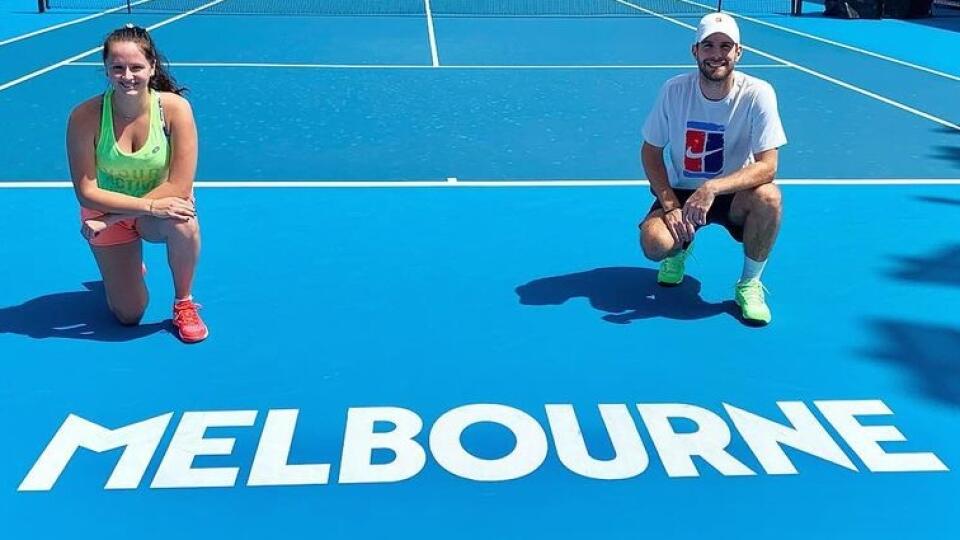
[138, 173]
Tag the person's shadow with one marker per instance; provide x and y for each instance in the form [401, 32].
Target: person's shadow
[72, 315]
[625, 294]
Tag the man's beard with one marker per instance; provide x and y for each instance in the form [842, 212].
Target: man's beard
[705, 71]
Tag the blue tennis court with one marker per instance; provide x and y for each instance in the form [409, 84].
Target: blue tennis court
[429, 315]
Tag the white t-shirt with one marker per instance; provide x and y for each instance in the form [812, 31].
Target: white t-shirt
[706, 139]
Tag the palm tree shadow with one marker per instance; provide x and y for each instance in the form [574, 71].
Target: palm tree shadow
[947, 152]
[72, 315]
[940, 268]
[625, 294]
[951, 201]
[927, 352]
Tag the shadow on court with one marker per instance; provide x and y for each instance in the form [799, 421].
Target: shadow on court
[938, 200]
[929, 352]
[625, 294]
[945, 152]
[949, 153]
[72, 315]
[939, 268]
[943, 18]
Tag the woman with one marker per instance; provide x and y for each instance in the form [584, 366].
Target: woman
[133, 155]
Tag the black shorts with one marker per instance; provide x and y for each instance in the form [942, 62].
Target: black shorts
[719, 212]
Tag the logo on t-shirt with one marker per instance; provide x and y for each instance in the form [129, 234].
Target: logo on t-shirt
[703, 157]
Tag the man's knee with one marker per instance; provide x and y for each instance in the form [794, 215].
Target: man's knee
[655, 245]
[768, 198]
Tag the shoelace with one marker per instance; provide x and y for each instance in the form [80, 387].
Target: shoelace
[187, 313]
[676, 263]
[673, 264]
[754, 290]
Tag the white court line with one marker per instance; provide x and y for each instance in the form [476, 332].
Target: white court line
[67, 23]
[436, 61]
[424, 66]
[817, 74]
[49, 68]
[457, 183]
[832, 42]
[75, 57]
[434, 55]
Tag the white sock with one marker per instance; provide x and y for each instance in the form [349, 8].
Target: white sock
[751, 269]
[184, 299]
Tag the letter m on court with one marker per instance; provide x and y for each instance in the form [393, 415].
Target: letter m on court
[139, 442]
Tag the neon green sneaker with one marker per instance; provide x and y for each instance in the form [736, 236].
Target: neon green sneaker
[749, 296]
[671, 268]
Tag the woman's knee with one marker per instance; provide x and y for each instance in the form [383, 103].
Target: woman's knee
[128, 304]
[127, 313]
[184, 229]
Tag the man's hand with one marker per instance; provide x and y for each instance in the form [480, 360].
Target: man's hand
[696, 208]
[681, 230]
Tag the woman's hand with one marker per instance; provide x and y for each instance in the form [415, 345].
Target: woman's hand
[93, 227]
[173, 208]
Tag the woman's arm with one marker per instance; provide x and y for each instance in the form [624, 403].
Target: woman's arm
[183, 147]
[82, 130]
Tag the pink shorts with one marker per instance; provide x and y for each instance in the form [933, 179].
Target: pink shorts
[121, 232]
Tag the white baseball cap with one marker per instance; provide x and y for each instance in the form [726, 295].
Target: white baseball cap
[713, 23]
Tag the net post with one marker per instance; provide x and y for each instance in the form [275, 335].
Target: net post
[41, 6]
[129, 7]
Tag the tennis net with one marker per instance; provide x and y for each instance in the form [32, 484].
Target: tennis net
[474, 8]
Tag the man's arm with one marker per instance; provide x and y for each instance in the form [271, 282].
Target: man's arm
[766, 136]
[652, 159]
[762, 171]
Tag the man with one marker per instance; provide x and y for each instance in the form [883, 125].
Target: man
[721, 131]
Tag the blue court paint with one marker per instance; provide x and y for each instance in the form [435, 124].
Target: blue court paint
[21, 17]
[26, 56]
[290, 124]
[617, 41]
[922, 41]
[337, 40]
[909, 86]
[433, 299]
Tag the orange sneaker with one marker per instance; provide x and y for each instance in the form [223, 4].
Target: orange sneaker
[188, 322]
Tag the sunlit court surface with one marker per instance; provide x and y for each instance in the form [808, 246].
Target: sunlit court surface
[429, 314]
